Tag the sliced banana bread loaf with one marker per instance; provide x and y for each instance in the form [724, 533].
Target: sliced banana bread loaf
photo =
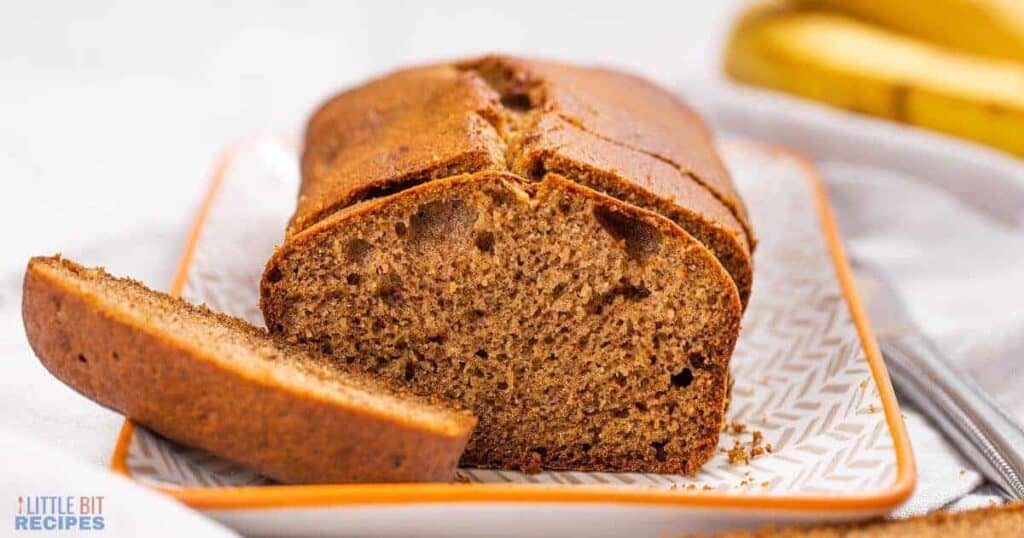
[557, 247]
[584, 332]
[216, 382]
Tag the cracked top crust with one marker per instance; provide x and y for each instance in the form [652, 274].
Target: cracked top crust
[624, 109]
[429, 122]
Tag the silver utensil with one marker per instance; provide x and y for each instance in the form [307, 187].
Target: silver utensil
[983, 431]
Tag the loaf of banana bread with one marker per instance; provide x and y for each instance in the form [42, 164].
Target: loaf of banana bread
[558, 248]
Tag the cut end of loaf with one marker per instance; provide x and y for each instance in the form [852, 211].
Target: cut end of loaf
[583, 332]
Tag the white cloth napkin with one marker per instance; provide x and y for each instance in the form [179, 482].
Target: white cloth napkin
[945, 220]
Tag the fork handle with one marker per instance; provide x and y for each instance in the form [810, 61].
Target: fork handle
[962, 410]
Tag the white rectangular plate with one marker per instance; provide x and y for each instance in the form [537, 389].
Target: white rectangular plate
[807, 373]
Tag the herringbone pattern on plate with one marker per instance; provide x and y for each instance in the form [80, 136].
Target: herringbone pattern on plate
[802, 378]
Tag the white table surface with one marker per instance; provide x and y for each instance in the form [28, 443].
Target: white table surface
[111, 114]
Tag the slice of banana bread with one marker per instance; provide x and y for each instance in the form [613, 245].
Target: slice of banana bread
[215, 382]
[584, 332]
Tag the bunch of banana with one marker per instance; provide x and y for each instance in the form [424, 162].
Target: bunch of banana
[956, 66]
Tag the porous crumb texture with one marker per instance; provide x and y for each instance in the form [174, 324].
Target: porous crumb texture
[216, 382]
[551, 144]
[996, 522]
[585, 333]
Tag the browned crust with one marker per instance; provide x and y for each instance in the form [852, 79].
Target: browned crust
[176, 388]
[622, 108]
[271, 304]
[410, 126]
[414, 123]
[429, 122]
[1006, 520]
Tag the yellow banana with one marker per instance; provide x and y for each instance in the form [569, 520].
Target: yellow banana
[986, 27]
[857, 66]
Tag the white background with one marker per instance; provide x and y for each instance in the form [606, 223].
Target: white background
[111, 114]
